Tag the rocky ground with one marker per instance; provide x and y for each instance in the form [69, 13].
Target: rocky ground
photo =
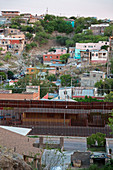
[10, 160]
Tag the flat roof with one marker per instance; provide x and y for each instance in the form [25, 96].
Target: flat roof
[10, 11]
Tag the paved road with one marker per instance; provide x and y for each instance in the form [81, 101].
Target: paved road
[70, 144]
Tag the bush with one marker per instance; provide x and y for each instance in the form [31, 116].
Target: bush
[99, 137]
[1, 64]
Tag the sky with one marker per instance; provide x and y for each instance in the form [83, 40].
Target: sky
[93, 8]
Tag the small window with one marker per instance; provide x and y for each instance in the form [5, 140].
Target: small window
[100, 76]
[27, 70]
[50, 56]
[32, 70]
[11, 30]
[45, 56]
[94, 75]
[56, 56]
[96, 54]
[65, 92]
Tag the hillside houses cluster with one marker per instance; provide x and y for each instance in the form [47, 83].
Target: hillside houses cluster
[80, 56]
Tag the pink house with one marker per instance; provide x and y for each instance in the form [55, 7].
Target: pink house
[91, 46]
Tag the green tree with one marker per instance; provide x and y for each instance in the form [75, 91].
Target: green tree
[61, 40]
[42, 37]
[65, 80]
[99, 137]
[104, 86]
[105, 47]
[110, 122]
[108, 31]
[69, 43]
[109, 97]
[10, 74]
[3, 75]
[29, 35]
[51, 77]
[8, 56]
[64, 58]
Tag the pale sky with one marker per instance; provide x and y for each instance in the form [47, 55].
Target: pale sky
[93, 8]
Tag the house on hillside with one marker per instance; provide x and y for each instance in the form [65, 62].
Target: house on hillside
[40, 72]
[53, 55]
[10, 14]
[14, 45]
[98, 29]
[92, 78]
[100, 56]
[91, 52]
[65, 93]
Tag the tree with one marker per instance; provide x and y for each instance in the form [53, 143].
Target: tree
[110, 123]
[64, 58]
[30, 46]
[17, 20]
[42, 37]
[51, 77]
[7, 56]
[29, 35]
[65, 80]
[105, 47]
[104, 86]
[3, 75]
[98, 137]
[109, 97]
[69, 43]
[108, 31]
[61, 40]
[10, 74]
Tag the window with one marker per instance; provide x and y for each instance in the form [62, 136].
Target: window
[56, 56]
[65, 92]
[11, 30]
[50, 56]
[100, 76]
[94, 75]
[45, 56]
[104, 54]
[61, 50]
[27, 70]
[85, 46]
[92, 54]
[96, 54]
[32, 70]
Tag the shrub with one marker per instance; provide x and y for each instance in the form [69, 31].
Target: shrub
[99, 137]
